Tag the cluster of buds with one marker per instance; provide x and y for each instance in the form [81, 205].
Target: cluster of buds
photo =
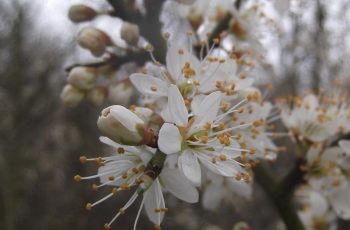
[100, 81]
[82, 85]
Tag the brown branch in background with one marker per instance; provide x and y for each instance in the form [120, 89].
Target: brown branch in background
[281, 192]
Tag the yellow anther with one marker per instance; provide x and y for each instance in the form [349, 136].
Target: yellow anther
[252, 150]
[238, 177]
[223, 157]
[106, 226]
[166, 35]
[157, 210]
[122, 211]
[135, 170]
[207, 126]
[204, 139]
[77, 178]
[125, 175]
[180, 51]
[216, 41]
[218, 84]
[111, 178]
[241, 110]
[189, 33]
[213, 160]
[124, 187]
[149, 48]
[88, 206]
[94, 187]
[82, 159]
[120, 150]
[114, 191]
[157, 227]
[153, 88]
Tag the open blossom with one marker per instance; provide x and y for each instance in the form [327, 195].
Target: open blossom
[131, 167]
[315, 212]
[317, 118]
[200, 137]
[328, 173]
[193, 76]
[220, 188]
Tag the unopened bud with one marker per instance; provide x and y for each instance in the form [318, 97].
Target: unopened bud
[81, 13]
[130, 33]
[82, 77]
[96, 96]
[71, 96]
[120, 93]
[121, 125]
[94, 40]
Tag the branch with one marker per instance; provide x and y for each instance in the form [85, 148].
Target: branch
[281, 193]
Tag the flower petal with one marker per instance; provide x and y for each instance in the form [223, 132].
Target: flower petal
[153, 200]
[212, 196]
[149, 85]
[208, 108]
[345, 146]
[189, 165]
[340, 201]
[170, 139]
[177, 107]
[177, 184]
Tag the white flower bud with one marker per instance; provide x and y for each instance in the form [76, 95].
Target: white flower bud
[121, 125]
[120, 93]
[82, 77]
[130, 33]
[96, 96]
[81, 13]
[94, 40]
[71, 96]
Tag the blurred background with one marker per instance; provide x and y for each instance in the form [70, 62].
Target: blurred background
[41, 140]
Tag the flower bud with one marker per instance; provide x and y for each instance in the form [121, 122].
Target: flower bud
[120, 93]
[71, 96]
[96, 96]
[81, 13]
[130, 33]
[94, 40]
[82, 77]
[121, 125]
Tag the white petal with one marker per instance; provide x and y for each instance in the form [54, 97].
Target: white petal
[189, 165]
[240, 187]
[154, 199]
[177, 184]
[209, 108]
[111, 143]
[212, 196]
[144, 83]
[345, 146]
[177, 108]
[170, 139]
[340, 200]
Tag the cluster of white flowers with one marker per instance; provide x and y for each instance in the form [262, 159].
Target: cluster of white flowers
[200, 122]
[316, 122]
[317, 118]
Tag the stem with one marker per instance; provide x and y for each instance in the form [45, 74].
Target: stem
[281, 193]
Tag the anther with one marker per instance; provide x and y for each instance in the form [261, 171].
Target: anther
[88, 206]
[120, 150]
[106, 226]
[82, 159]
[77, 178]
